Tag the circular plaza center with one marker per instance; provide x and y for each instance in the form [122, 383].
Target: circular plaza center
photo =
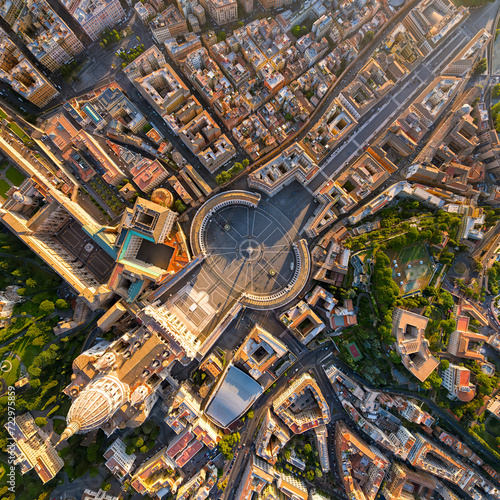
[250, 247]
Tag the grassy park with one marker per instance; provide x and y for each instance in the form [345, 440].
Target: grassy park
[412, 268]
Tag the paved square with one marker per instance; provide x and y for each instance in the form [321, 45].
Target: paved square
[249, 249]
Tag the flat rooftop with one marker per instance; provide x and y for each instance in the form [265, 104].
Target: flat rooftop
[155, 253]
[81, 246]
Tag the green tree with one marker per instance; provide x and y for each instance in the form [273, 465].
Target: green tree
[93, 472]
[105, 486]
[429, 291]
[250, 414]
[246, 162]
[481, 67]
[307, 449]
[426, 385]
[395, 357]
[310, 475]
[92, 452]
[444, 365]
[148, 427]
[296, 31]
[41, 421]
[138, 442]
[31, 283]
[435, 380]
[62, 304]
[179, 206]
[47, 306]
[304, 30]
[367, 38]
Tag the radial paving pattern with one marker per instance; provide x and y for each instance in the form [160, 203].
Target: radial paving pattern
[249, 249]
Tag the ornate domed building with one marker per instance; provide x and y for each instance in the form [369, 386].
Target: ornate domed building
[95, 405]
[114, 384]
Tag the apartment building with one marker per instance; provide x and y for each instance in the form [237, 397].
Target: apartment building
[88, 157]
[431, 20]
[156, 474]
[294, 164]
[200, 132]
[21, 75]
[149, 61]
[361, 467]
[303, 322]
[401, 479]
[432, 458]
[47, 37]
[274, 4]
[30, 447]
[148, 174]
[322, 26]
[179, 48]
[118, 461]
[199, 12]
[464, 343]
[456, 380]
[94, 16]
[259, 351]
[217, 154]
[221, 11]
[247, 6]
[271, 438]
[258, 474]
[169, 24]
[304, 417]
[429, 105]
[409, 330]
[467, 58]
[9, 10]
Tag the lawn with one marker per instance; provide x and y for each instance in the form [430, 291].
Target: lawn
[15, 176]
[59, 425]
[3, 114]
[4, 187]
[19, 131]
[25, 350]
[493, 425]
[488, 438]
[411, 253]
[11, 367]
[412, 270]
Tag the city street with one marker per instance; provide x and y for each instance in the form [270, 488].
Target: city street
[373, 123]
